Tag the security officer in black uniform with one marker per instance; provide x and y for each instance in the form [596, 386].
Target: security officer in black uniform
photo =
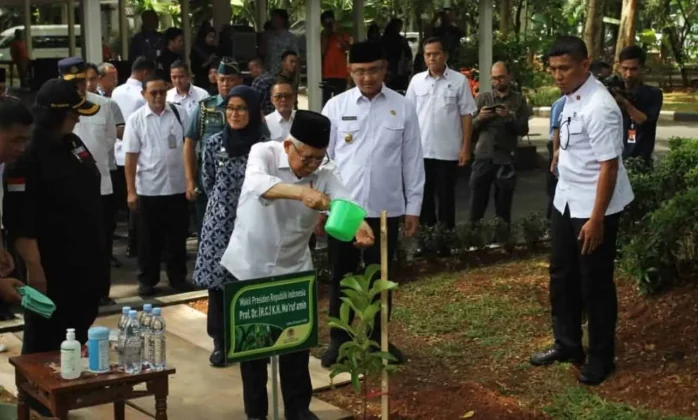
[52, 209]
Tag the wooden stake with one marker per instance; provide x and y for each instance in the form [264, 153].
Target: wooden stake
[385, 402]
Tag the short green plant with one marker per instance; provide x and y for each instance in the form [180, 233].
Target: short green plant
[534, 227]
[361, 356]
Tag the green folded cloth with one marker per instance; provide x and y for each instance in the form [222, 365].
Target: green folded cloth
[35, 301]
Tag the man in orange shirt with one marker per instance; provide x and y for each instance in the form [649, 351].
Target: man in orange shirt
[334, 57]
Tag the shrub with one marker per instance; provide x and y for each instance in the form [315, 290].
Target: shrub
[658, 238]
[542, 96]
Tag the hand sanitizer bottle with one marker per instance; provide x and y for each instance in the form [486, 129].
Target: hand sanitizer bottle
[71, 363]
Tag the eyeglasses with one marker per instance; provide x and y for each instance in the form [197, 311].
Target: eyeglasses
[283, 96]
[239, 109]
[373, 71]
[162, 92]
[307, 160]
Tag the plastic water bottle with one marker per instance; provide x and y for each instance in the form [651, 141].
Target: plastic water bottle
[146, 319]
[157, 339]
[122, 334]
[133, 346]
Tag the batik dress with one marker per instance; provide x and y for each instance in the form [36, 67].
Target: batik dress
[222, 177]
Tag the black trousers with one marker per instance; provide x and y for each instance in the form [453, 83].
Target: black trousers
[162, 226]
[345, 259]
[215, 326]
[439, 187]
[583, 282]
[296, 388]
[109, 227]
[483, 175]
[332, 87]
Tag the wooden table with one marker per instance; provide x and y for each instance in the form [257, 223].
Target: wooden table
[36, 376]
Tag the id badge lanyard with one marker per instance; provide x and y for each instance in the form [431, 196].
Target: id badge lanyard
[632, 134]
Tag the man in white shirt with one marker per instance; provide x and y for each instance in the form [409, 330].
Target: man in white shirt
[592, 190]
[129, 97]
[279, 122]
[285, 187]
[108, 79]
[445, 106]
[376, 145]
[99, 133]
[154, 144]
[183, 92]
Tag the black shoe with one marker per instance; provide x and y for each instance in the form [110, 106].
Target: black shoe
[182, 286]
[556, 354]
[594, 373]
[329, 357]
[107, 301]
[114, 262]
[217, 358]
[301, 415]
[145, 290]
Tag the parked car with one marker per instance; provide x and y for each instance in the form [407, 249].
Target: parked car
[48, 41]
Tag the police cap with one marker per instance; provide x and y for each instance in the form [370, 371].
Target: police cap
[72, 68]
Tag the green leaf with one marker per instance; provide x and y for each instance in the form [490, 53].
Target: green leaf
[371, 271]
[351, 282]
[381, 285]
[359, 298]
[351, 304]
[344, 313]
[385, 355]
[355, 381]
[370, 312]
[345, 349]
[338, 323]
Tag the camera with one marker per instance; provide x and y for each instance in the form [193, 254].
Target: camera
[616, 86]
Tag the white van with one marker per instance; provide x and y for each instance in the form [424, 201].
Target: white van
[48, 41]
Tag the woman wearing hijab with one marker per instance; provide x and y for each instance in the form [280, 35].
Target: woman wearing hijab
[398, 55]
[203, 54]
[223, 172]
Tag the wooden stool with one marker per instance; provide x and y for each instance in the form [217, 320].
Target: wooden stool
[36, 377]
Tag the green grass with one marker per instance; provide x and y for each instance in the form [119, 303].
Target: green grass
[576, 403]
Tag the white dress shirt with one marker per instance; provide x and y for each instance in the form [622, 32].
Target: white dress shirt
[98, 132]
[440, 103]
[591, 132]
[129, 97]
[120, 122]
[160, 168]
[190, 100]
[271, 237]
[377, 147]
[278, 126]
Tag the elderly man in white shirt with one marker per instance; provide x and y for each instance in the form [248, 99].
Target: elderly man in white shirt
[592, 191]
[285, 186]
[445, 107]
[129, 97]
[154, 146]
[183, 92]
[283, 97]
[376, 145]
[99, 133]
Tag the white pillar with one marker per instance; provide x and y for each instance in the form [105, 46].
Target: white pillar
[222, 13]
[358, 16]
[314, 53]
[123, 29]
[28, 27]
[71, 28]
[186, 26]
[261, 13]
[92, 31]
[485, 39]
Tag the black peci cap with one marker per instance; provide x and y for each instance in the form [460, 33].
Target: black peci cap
[366, 52]
[311, 128]
[62, 94]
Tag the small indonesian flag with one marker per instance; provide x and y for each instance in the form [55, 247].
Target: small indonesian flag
[16, 184]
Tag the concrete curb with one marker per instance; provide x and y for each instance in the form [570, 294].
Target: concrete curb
[674, 116]
[17, 324]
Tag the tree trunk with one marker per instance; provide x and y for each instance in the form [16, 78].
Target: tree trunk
[517, 19]
[593, 27]
[626, 32]
[504, 17]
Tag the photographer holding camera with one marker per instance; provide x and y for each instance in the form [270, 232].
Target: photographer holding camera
[639, 103]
